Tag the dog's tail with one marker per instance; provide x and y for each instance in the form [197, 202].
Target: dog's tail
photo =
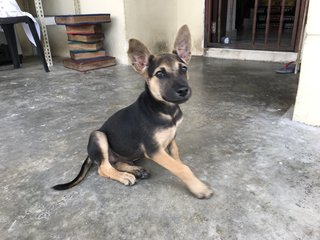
[82, 174]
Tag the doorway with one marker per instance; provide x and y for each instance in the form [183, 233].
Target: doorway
[273, 25]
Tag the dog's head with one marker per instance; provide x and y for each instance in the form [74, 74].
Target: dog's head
[165, 74]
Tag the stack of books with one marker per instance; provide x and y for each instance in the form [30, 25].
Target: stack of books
[85, 41]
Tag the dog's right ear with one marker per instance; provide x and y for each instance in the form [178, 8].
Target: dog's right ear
[139, 55]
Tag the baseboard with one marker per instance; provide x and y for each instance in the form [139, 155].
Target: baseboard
[254, 55]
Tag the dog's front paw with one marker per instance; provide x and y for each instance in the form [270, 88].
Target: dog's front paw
[127, 179]
[201, 191]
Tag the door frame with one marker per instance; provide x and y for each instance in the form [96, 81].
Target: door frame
[296, 31]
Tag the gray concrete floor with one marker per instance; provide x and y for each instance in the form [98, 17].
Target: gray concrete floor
[236, 135]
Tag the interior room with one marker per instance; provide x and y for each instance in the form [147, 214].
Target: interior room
[250, 129]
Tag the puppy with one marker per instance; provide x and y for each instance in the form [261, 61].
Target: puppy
[147, 128]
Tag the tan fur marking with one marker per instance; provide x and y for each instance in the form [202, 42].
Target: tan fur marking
[154, 87]
[125, 167]
[106, 169]
[174, 151]
[183, 172]
[179, 121]
[165, 116]
[177, 65]
[164, 136]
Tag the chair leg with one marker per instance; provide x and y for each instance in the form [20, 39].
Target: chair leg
[39, 44]
[12, 42]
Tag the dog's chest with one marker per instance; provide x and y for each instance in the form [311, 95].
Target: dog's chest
[165, 136]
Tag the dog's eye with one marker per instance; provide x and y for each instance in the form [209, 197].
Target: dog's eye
[160, 74]
[183, 69]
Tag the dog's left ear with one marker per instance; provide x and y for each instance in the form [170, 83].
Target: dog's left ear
[139, 55]
[182, 44]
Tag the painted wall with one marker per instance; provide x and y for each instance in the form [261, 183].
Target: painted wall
[156, 22]
[191, 12]
[57, 36]
[114, 33]
[307, 108]
[115, 38]
[152, 22]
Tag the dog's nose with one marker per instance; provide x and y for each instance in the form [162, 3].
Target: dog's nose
[183, 91]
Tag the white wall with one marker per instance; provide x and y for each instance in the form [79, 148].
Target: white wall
[191, 12]
[307, 108]
[156, 22]
[57, 36]
[153, 22]
[114, 32]
[115, 39]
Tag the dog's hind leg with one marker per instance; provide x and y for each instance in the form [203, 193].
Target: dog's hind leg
[137, 171]
[98, 152]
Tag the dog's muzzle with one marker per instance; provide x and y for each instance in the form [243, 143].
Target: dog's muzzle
[180, 95]
[183, 92]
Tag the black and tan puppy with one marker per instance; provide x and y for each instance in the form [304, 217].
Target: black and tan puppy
[147, 128]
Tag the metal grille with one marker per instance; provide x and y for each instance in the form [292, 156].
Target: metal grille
[275, 24]
[280, 25]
